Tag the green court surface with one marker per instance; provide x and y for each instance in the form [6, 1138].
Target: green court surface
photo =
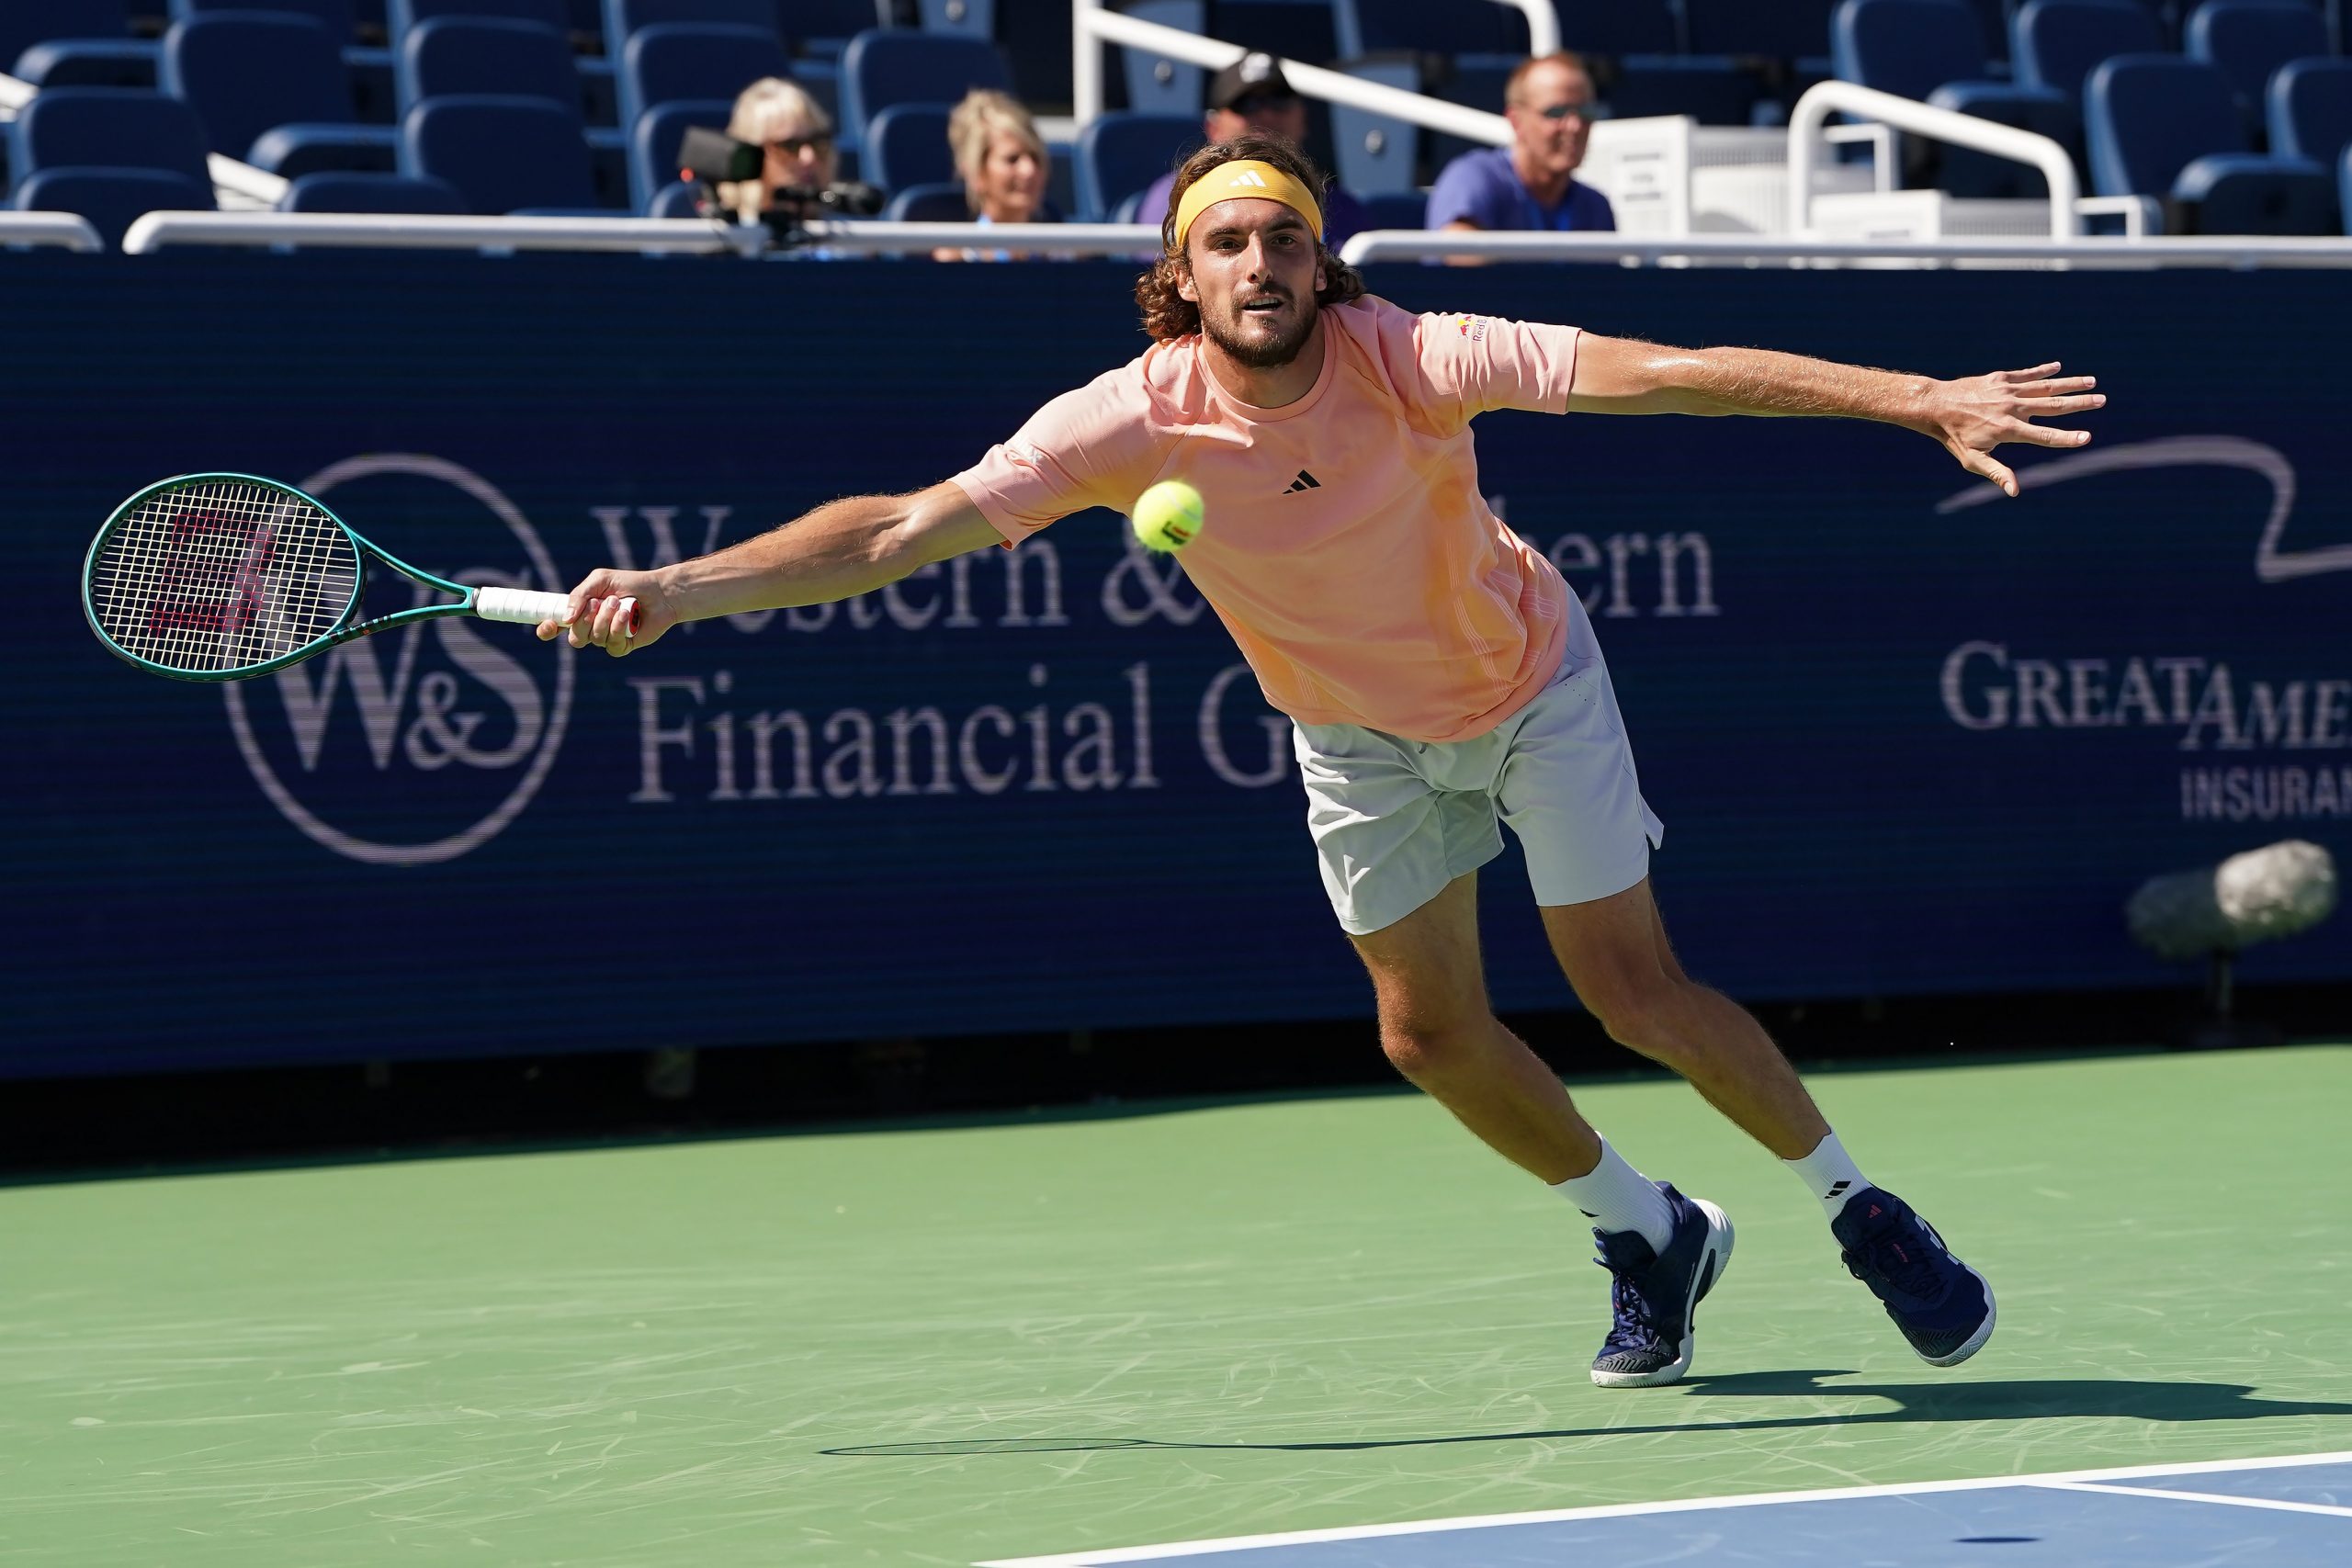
[960, 1342]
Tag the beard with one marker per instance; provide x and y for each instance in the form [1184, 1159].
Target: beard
[1262, 354]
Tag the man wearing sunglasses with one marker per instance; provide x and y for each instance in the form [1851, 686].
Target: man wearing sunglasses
[1251, 93]
[1532, 183]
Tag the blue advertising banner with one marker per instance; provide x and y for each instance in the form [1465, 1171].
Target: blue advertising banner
[1907, 735]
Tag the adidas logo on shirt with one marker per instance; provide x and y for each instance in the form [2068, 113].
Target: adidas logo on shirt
[1304, 481]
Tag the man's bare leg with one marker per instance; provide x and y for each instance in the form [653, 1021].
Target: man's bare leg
[1438, 1030]
[1615, 953]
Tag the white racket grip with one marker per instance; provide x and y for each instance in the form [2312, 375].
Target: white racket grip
[525, 607]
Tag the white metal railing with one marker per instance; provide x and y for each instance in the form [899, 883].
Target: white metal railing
[1408, 244]
[688, 236]
[158, 231]
[1806, 137]
[64, 231]
[1093, 25]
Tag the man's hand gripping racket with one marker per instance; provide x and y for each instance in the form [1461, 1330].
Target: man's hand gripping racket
[221, 577]
[619, 612]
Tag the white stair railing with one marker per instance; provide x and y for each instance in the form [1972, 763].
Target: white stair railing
[1093, 25]
[1807, 136]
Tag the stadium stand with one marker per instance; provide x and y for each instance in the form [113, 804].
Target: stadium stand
[108, 154]
[2246, 40]
[1120, 154]
[694, 60]
[503, 153]
[75, 44]
[298, 87]
[337, 191]
[2163, 125]
[943, 203]
[2309, 108]
[1935, 50]
[2054, 43]
[653, 147]
[906, 145]
[883, 66]
[271, 90]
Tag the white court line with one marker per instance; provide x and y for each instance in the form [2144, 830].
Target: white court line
[2280, 1503]
[1629, 1510]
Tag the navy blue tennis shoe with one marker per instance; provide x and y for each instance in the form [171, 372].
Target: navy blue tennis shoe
[1654, 1296]
[1943, 1306]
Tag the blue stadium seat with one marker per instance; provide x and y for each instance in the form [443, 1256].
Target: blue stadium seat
[1907, 46]
[898, 66]
[403, 15]
[1782, 29]
[677, 200]
[1377, 26]
[1399, 210]
[504, 153]
[108, 154]
[2309, 105]
[1156, 84]
[89, 62]
[112, 199]
[2045, 111]
[2159, 125]
[1294, 30]
[2054, 43]
[73, 43]
[271, 90]
[67, 128]
[692, 59]
[1475, 81]
[335, 191]
[335, 15]
[906, 145]
[475, 54]
[2248, 39]
[929, 204]
[1120, 154]
[653, 144]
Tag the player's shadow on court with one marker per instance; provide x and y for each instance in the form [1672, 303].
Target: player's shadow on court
[2009, 1400]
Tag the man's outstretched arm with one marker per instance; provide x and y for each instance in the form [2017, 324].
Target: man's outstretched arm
[843, 548]
[1967, 417]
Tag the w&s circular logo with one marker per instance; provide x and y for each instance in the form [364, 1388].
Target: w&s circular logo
[418, 744]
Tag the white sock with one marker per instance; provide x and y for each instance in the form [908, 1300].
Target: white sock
[1828, 1174]
[1616, 1197]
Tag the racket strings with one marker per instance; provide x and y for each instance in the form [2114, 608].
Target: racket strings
[221, 575]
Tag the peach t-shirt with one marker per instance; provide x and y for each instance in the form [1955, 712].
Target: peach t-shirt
[1346, 545]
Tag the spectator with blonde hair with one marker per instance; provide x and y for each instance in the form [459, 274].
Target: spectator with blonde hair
[794, 137]
[1003, 162]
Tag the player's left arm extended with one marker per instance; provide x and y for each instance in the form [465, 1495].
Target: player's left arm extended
[1967, 417]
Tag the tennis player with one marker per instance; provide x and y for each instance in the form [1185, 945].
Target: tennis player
[1441, 677]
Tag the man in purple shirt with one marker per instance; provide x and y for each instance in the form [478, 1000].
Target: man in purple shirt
[1532, 183]
[1251, 93]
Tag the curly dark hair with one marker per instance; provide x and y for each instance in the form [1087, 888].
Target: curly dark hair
[1168, 314]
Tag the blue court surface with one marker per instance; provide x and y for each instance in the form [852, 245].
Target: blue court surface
[2268, 1513]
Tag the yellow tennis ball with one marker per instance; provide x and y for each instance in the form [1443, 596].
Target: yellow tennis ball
[1167, 516]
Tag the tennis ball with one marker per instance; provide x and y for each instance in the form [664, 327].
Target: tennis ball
[1167, 516]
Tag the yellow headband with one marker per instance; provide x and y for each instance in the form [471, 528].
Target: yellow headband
[1246, 177]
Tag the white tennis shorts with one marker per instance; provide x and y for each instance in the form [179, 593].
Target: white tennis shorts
[1396, 820]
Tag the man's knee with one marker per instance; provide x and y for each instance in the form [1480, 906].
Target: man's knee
[1648, 1018]
[1423, 1042]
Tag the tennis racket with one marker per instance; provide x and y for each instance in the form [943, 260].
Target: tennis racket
[220, 577]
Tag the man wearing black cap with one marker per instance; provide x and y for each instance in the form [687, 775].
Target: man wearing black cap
[1251, 93]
